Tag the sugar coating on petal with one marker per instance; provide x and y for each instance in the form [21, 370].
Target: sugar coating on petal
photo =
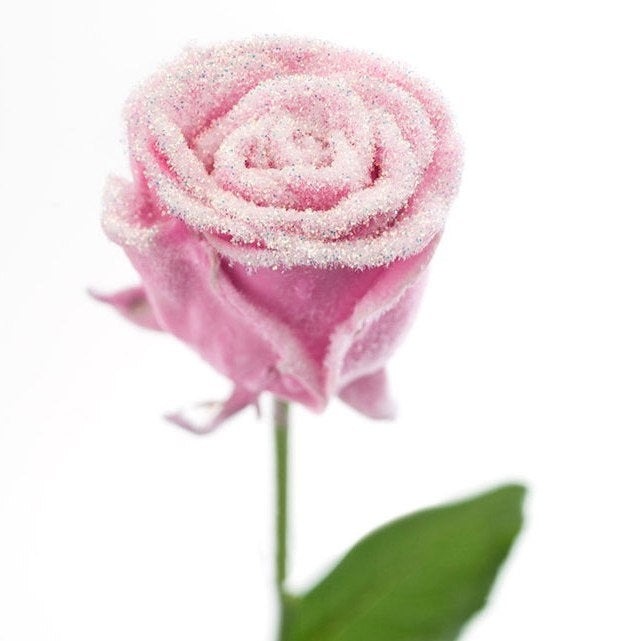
[284, 152]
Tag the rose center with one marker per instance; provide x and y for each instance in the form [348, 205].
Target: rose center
[296, 141]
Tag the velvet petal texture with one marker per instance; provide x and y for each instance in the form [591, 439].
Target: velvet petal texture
[286, 202]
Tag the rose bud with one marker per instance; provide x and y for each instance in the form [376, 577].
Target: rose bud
[286, 201]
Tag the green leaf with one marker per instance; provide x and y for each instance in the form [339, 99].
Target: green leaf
[419, 578]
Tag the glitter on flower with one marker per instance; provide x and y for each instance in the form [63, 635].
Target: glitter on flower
[288, 196]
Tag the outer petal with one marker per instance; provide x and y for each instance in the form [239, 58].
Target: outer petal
[364, 342]
[347, 321]
[305, 334]
[133, 304]
[195, 299]
[370, 396]
[312, 302]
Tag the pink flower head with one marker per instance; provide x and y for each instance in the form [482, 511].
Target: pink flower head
[287, 199]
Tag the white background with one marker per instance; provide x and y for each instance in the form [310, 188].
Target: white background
[116, 525]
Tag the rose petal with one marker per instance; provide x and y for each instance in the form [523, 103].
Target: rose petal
[370, 396]
[133, 304]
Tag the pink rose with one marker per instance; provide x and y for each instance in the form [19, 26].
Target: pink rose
[287, 199]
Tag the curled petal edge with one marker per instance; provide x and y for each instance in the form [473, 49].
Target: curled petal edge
[133, 304]
[370, 395]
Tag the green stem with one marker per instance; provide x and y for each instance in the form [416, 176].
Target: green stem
[281, 442]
